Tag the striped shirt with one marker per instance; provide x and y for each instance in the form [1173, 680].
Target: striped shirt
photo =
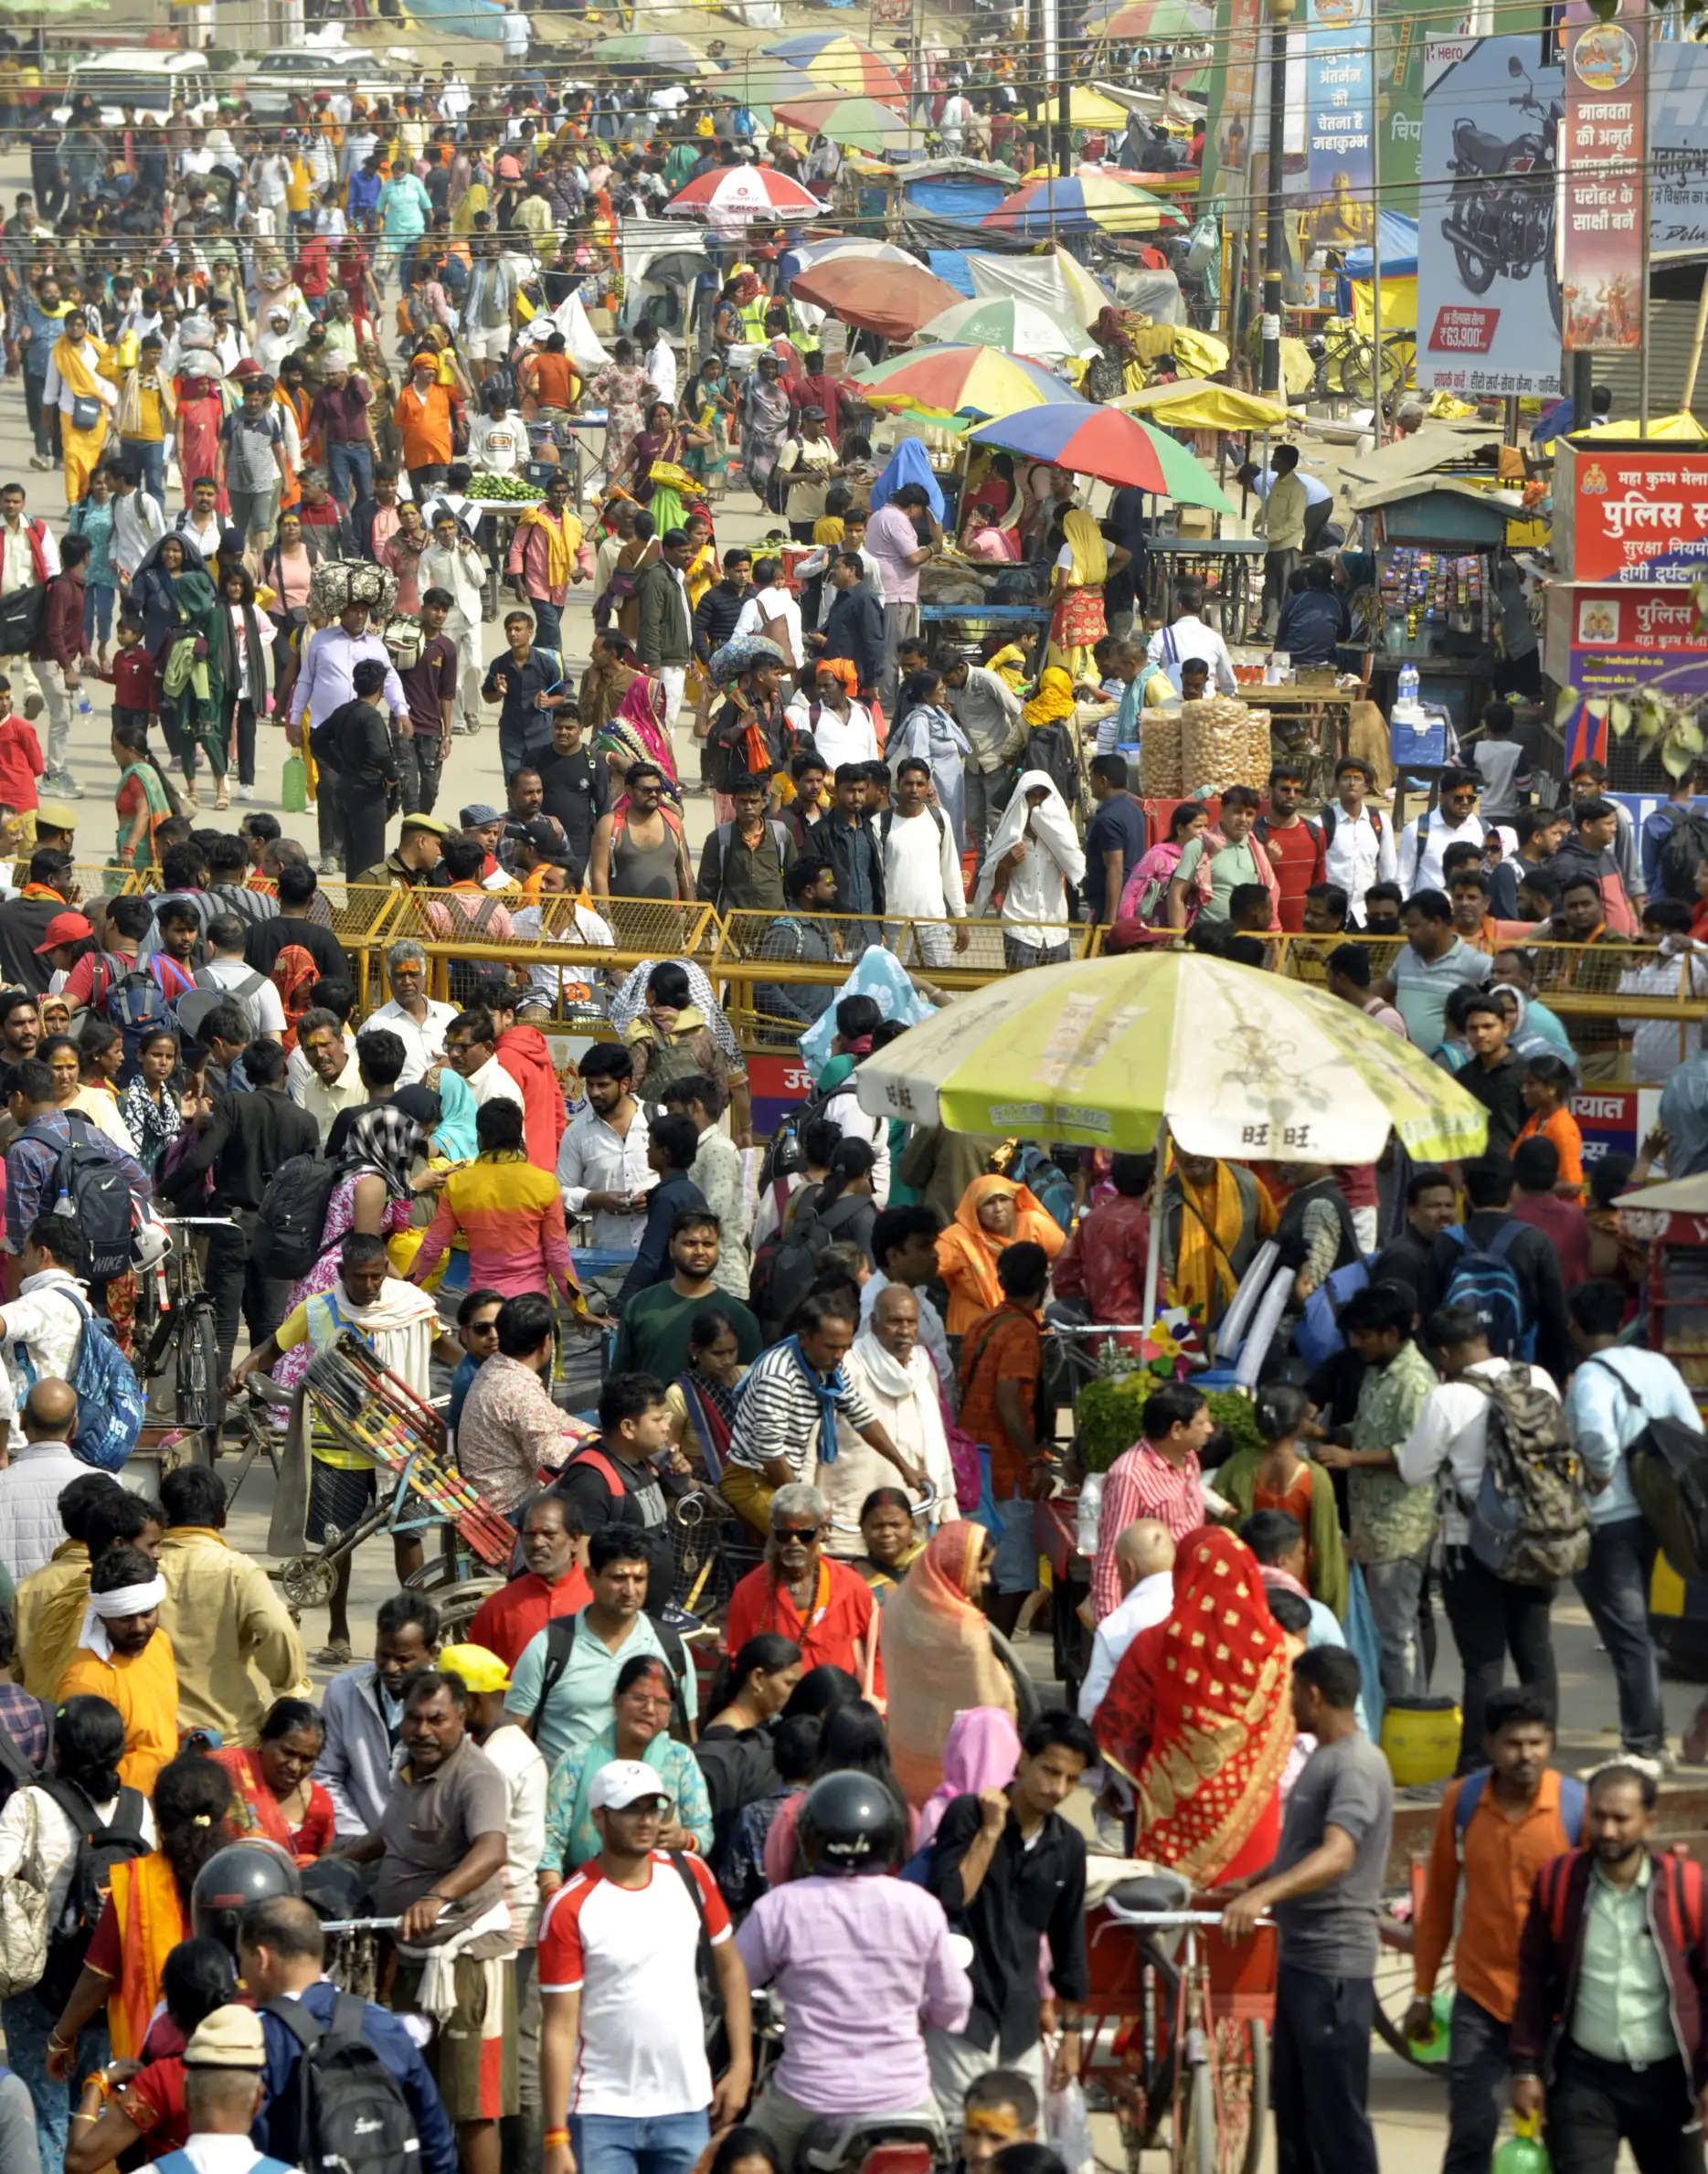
[778, 1414]
[1143, 1483]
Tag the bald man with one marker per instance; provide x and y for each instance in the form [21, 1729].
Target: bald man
[1144, 1564]
[31, 1483]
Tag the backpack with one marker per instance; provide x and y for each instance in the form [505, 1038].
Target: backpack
[23, 1900]
[109, 970]
[1667, 1463]
[1048, 748]
[291, 1225]
[1529, 1523]
[23, 619]
[110, 1404]
[1045, 1180]
[464, 975]
[196, 1006]
[137, 1006]
[1680, 1880]
[1485, 1279]
[560, 1632]
[1572, 1799]
[99, 1848]
[295, 975]
[341, 2107]
[1327, 817]
[785, 1156]
[1682, 852]
[90, 1187]
[1318, 1336]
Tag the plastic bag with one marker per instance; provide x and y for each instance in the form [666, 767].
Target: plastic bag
[1069, 2127]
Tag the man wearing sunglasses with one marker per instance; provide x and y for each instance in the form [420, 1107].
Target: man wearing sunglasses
[801, 1593]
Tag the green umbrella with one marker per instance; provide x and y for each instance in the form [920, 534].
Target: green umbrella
[861, 122]
[651, 48]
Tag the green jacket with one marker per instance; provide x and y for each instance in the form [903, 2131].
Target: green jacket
[1236, 1481]
[666, 631]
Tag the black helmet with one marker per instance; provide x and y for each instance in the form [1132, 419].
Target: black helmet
[242, 1873]
[851, 1823]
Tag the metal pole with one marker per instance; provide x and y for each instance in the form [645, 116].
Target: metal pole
[1378, 415]
[1275, 242]
[1642, 215]
[1153, 1250]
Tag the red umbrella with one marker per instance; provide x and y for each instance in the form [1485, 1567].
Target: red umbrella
[891, 299]
[756, 191]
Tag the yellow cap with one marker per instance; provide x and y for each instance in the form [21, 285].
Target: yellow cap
[479, 1669]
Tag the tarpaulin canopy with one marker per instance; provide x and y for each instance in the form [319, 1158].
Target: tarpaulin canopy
[1399, 250]
[891, 299]
[1195, 404]
[1054, 280]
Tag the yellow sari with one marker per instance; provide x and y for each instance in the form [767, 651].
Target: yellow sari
[81, 449]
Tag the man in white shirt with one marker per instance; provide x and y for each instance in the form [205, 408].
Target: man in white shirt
[28, 557]
[1187, 636]
[1425, 839]
[987, 709]
[601, 1162]
[253, 993]
[904, 1245]
[454, 99]
[471, 1047]
[659, 365]
[40, 1328]
[841, 730]
[1448, 1448]
[518, 32]
[768, 601]
[199, 521]
[890, 1367]
[512, 1750]
[921, 870]
[1358, 840]
[1144, 1563]
[419, 1022]
[333, 1082]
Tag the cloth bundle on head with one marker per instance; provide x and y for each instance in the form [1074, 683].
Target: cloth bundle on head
[1054, 700]
[108, 1607]
[337, 583]
[842, 671]
[742, 655]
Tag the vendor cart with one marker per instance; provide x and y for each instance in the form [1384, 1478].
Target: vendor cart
[1230, 566]
[967, 597]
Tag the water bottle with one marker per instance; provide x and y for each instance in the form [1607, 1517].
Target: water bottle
[1088, 1513]
[1407, 690]
[84, 705]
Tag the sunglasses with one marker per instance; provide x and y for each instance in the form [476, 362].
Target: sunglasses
[794, 1532]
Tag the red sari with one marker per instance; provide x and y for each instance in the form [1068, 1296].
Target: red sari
[1198, 1718]
[256, 1809]
[201, 415]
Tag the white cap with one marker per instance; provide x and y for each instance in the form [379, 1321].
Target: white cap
[623, 1782]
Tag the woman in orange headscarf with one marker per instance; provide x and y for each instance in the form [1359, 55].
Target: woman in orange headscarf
[994, 1213]
[1199, 1720]
[937, 1661]
[147, 1913]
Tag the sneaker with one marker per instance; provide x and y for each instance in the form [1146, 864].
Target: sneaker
[41, 461]
[330, 864]
[246, 792]
[32, 709]
[63, 783]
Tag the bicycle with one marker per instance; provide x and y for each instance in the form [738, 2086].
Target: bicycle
[1193, 2046]
[177, 1328]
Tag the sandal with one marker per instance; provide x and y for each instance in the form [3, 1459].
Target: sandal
[222, 799]
[339, 1655]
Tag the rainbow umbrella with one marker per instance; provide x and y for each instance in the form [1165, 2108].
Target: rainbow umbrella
[861, 122]
[1164, 20]
[840, 62]
[964, 380]
[651, 48]
[1113, 447]
[753, 192]
[1078, 204]
[766, 84]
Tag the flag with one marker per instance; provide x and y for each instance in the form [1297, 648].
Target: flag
[1585, 732]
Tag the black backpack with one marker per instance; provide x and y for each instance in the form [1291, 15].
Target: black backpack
[99, 1848]
[1682, 852]
[291, 1220]
[1667, 1463]
[786, 1157]
[560, 1637]
[88, 1187]
[341, 2107]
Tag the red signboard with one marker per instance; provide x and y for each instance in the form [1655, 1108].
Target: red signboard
[1461, 330]
[1604, 208]
[1632, 516]
[777, 1085]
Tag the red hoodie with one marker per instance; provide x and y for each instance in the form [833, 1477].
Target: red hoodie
[523, 1054]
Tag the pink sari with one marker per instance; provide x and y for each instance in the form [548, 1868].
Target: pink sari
[640, 730]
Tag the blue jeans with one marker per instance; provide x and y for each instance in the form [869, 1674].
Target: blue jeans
[352, 472]
[148, 456]
[547, 622]
[26, 2025]
[616, 2144]
[98, 601]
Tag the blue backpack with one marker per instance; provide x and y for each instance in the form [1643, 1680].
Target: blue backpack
[1484, 1278]
[1571, 1795]
[136, 1004]
[110, 1400]
[1318, 1336]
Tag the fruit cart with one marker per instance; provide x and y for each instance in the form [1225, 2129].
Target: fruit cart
[493, 504]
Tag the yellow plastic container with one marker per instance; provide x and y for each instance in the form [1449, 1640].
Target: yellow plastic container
[1420, 1740]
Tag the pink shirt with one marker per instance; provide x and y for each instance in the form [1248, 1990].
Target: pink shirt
[1143, 1483]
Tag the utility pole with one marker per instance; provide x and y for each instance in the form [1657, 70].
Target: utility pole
[1275, 243]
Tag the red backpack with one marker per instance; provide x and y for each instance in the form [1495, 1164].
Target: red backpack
[1681, 1880]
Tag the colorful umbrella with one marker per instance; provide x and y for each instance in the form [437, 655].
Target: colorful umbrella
[1167, 21]
[1235, 1061]
[1079, 205]
[749, 192]
[891, 299]
[1116, 448]
[764, 84]
[964, 380]
[840, 62]
[1016, 327]
[861, 122]
[651, 48]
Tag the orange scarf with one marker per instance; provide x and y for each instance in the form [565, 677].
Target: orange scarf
[151, 1924]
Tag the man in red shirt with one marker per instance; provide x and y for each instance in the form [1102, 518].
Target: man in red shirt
[1292, 841]
[1001, 1364]
[801, 1593]
[1103, 1261]
[554, 1583]
[1159, 1476]
[817, 389]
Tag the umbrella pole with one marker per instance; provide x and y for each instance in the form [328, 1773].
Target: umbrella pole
[1153, 1249]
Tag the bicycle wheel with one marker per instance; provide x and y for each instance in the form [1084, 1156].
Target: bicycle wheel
[1196, 2148]
[1358, 369]
[1240, 2062]
[196, 1379]
[1393, 1982]
[1027, 1704]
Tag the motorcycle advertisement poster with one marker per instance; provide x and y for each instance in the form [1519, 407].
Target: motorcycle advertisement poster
[1487, 288]
[1602, 204]
[1678, 149]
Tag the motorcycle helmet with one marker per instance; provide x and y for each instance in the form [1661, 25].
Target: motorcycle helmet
[242, 1873]
[851, 1823]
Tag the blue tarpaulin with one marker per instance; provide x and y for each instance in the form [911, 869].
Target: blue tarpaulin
[951, 265]
[952, 196]
[1399, 250]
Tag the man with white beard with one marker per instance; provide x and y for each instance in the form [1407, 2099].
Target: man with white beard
[888, 1365]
